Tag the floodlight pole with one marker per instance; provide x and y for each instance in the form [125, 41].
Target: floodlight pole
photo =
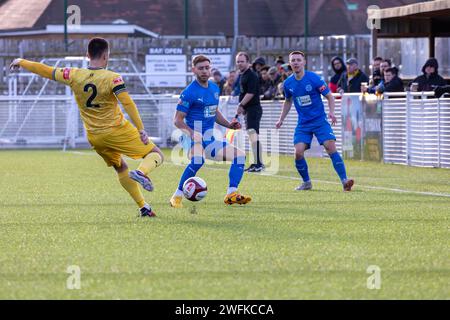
[236, 31]
[306, 26]
[66, 40]
[186, 18]
[236, 18]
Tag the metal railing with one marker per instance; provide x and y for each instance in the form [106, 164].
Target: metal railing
[54, 121]
[402, 128]
[416, 129]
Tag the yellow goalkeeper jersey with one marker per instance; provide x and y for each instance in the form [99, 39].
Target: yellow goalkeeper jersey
[95, 91]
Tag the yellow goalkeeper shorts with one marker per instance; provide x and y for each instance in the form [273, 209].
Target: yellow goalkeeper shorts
[124, 140]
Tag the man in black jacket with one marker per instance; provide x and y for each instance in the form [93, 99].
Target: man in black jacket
[430, 78]
[376, 71]
[351, 80]
[390, 83]
[250, 106]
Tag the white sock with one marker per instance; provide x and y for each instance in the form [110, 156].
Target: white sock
[231, 190]
[178, 193]
[146, 205]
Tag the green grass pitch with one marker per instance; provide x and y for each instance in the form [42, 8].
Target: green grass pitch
[60, 209]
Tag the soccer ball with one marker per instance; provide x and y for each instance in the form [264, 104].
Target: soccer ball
[194, 189]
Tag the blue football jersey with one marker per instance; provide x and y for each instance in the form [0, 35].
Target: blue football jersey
[306, 94]
[200, 105]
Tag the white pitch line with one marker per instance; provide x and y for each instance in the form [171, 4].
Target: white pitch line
[81, 153]
[371, 187]
[424, 193]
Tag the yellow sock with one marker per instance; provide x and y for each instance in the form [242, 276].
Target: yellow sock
[132, 188]
[150, 162]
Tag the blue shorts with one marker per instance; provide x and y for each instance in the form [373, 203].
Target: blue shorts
[321, 129]
[211, 146]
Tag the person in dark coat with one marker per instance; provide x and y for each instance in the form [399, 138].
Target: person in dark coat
[350, 80]
[392, 82]
[430, 79]
[257, 64]
[338, 66]
[377, 75]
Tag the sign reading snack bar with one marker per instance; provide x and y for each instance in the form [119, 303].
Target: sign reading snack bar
[168, 65]
[220, 57]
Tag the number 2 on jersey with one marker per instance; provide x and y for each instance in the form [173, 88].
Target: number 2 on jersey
[92, 97]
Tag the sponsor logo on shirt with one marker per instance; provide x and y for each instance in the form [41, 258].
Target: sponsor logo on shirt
[66, 73]
[210, 111]
[304, 100]
[118, 80]
[323, 88]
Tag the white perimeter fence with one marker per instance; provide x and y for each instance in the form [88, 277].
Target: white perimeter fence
[405, 128]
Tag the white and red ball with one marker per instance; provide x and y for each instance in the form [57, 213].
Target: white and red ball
[194, 189]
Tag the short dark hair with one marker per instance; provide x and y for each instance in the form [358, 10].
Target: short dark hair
[392, 70]
[265, 67]
[245, 54]
[279, 59]
[96, 47]
[378, 58]
[389, 62]
[200, 58]
[297, 52]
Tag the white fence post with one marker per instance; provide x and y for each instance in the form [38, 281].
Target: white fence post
[439, 132]
[408, 128]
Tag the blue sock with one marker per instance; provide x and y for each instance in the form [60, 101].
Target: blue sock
[302, 168]
[338, 165]
[191, 170]
[236, 171]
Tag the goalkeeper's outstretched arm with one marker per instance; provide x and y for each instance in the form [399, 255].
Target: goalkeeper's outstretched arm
[40, 69]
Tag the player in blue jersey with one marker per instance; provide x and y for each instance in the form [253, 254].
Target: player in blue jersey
[305, 88]
[197, 111]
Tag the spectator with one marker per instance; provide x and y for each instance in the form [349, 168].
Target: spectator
[351, 79]
[376, 76]
[257, 64]
[274, 80]
[229, 83]
[286, 71]
[279, 62]
[338, 66]
[265, 79]
[217, 79]
[390, 83]
[430, 79]
[384, 65]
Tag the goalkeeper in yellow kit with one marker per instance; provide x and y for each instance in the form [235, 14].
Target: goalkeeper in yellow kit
[96, 91]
